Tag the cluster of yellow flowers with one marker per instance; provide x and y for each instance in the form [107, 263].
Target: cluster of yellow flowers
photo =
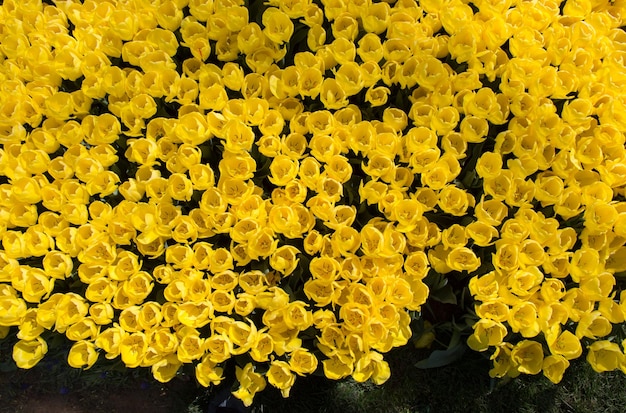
[554, 186]
[195, 181]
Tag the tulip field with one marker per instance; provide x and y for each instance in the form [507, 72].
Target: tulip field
[248, 194]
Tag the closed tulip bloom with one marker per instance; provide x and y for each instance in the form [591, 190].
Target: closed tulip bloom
[82, 355]
[554, 367]
[27, 353]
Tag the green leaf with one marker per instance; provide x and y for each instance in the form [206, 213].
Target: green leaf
[455, 340]
[440, 358]
[434, 280]
[444, 295]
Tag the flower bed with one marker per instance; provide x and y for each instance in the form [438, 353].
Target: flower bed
[284, 185]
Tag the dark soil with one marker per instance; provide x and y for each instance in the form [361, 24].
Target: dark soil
[39, 391]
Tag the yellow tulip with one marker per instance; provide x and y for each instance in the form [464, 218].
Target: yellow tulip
[312, 13]
[349, 78]
[492, 310]
[502, 363]
[284, 260]
[481, 233]
[376, 18]
[37, 285]
[320, 291]
[524, 282]
[220, 348]
[223, 301]
[593, 325]
[163, 341]
[371, 365]
[278, 26]
[489, 165]
[486, 333]
[302, 362]
[166, 368]
[338, 366]
[605, 356]
[280, 376]
[29, 328]
[316, 39]
[554, 367]
[463, 259]
[250, 383]
[82, 355]
[85, 329]
[283, 170]
[27, 353]
[528, 356]
[564, 343]
[207, 372]
[101, 313]
[133, 348]
[332, 95]
[242, 335]
[195, 315]
[523, 318]
[191, 346]
[261, 59]
[377, 95]
[585, 262]
[313, 242]
[25, 215]
[253, 282]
